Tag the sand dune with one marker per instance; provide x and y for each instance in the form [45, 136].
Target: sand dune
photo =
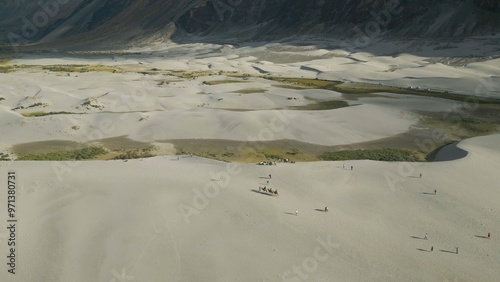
[195, 219]
[100, 227]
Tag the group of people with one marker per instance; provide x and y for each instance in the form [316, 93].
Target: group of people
[267, 163]
[343, 166]
[269, 190]
[432, 247]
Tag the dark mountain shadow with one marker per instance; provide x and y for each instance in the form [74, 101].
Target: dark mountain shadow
[103, 25]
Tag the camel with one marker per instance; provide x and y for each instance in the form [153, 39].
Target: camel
[276, 192]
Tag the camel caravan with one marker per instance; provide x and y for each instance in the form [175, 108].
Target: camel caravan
[269, 191]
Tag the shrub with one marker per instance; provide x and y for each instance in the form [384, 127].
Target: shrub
[388, 155]
[80, 154]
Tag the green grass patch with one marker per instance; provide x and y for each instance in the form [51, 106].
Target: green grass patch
[136, 154]
[366, 88]
[4, 157]
[463, 127]
[250, 91]
[475, 126]
[324, 105]
[4, 61]
[270, 156]
[80, 68]
[387, 154]
[79, 154]
[7, 69]
[217, 82]
[41, 114]
[213, 154]
[287, 86]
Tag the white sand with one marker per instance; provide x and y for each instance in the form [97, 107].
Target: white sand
[135, 105]
[98, 227]
[126, 221]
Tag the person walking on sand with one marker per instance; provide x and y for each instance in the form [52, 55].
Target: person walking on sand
[489, 235]
[432, 248]
[269, 176]
[420, 175]
[352, 167]
[435, 191]
[343, 166]
[326, 209]
[296, 212]
[457, 251]
[425, 237]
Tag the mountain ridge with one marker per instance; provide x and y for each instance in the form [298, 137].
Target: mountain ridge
[91, 23]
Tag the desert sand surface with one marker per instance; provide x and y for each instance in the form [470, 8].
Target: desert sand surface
[186, 218]
[195, 219]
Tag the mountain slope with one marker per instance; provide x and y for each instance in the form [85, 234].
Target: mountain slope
[108, 22]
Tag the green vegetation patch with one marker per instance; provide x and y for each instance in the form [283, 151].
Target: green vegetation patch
[323, 105]
[306, 82]
[31, 106]
[4, 157]
[136, 154]
[80, 154]
[366, 88]
[247, 152]
[463, 127]
[475, 126]
[387, 155]
[80, 68]
[250, 90]
[7, 69]
[41, 114]
[217, 82]
[287, 86]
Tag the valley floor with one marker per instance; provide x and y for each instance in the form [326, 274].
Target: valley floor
[170, 191]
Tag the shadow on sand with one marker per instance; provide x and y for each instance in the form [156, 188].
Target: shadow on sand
[479, 236]
[290, 213]
[320, 210]
[422, 250]
[451, 252]
[415, 237]
[428, 193]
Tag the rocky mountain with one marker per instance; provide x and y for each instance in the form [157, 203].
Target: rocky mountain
[90, 23]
